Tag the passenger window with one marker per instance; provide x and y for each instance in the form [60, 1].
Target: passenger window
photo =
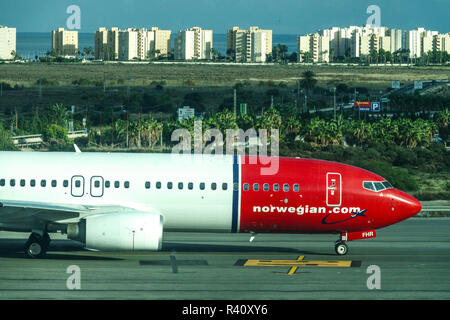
[2, 182]
[127, 185]
[276, 187]
[296, 188]
[202, 186]
[97, 184]
[190, 186]
[158, 185]
[22, 183]
[236, 186]
[169, 185]
[65, 183]
[266, 187]
[44, 183]
[213, 186]
[117, 184]
[12, 182]
[224, 186]
[33, 183]
[54, 183]
[256, 187]
[147, 185]
[246, 187]
[180, 186]
[107, 184]
[286, 188]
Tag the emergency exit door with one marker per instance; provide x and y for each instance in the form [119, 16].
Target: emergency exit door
[334, 189]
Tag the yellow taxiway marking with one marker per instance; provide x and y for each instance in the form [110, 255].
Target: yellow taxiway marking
[294, 265]
[293, 270]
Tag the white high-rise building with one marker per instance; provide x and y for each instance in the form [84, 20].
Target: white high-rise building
[252, 45]
[413, 41]
[313, 47]
[7, 43]
[65, 42]
[143, 44]
[107, 44]
[193, 44]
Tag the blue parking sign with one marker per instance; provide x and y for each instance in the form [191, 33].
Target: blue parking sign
[376, 107]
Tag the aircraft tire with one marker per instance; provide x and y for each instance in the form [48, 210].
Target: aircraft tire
[341, 248]
[36, 245]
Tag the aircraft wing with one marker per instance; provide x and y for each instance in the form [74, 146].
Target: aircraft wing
[13, 212]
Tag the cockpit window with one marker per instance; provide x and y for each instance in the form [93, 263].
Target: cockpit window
[377, 185]
[369, 186]
[387, 185]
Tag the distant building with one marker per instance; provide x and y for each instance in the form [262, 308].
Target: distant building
[252, 45]
[64, 42]
[396, 39]
[193, 44]
[313, 48]
[413, 40]
[143, 44]
[441, 42]
[7, 43]
[161, 44]
[107, 44]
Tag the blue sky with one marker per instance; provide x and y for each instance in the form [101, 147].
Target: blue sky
[282, 16]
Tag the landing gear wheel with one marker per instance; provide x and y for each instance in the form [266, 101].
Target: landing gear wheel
[341, 248]
[37, 245]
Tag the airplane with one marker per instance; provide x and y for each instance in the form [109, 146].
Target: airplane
[124, 201]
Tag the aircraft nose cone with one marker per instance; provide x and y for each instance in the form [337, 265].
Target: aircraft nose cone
[416, 207]
[409, 205]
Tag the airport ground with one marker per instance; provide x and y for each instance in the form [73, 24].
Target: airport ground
[212, 75]
[413, 260]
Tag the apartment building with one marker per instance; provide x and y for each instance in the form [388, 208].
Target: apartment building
[441, 42]
[161, 43]
[252, 45]
[65, 42]
[143, 44]
[193, 44]
[418, 41]
[107, 44]
[396, 39]
[313, 48]
[7, 43]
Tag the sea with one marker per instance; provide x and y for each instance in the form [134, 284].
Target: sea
[32, 44]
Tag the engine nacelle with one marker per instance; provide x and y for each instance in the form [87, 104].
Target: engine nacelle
[119, 231]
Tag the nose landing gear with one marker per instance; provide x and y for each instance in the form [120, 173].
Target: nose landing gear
[341, 248]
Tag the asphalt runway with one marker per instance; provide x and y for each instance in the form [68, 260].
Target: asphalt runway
[411, 259]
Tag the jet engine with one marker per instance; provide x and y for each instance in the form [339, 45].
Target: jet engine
[119, 231]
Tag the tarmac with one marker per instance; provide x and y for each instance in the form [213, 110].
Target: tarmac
[409, 260]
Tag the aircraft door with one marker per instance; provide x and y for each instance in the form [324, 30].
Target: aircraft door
[77, 186]
[334, 189]
[97, 187]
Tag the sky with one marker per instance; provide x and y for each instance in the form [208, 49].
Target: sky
[282, 16]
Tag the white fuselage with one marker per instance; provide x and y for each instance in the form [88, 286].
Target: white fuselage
[141, 182]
